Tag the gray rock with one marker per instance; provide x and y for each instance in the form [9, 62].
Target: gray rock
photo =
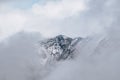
[60, 47]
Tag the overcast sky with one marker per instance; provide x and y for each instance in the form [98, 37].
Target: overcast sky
[53, 17]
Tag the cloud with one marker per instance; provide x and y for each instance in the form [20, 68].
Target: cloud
[60, 8]
[12, 0]
[43, 17]
[11, 23]
[68, 17]
[76, 22]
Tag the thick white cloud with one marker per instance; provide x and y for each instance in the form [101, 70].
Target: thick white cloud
[60, 8]
[53, 17]
[41, 17]
[11, 22]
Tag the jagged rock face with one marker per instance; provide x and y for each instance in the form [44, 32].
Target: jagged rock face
[60, 47]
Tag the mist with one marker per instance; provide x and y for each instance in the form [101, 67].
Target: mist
[96, 56]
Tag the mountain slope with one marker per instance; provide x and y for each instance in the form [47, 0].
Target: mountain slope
[59, 48]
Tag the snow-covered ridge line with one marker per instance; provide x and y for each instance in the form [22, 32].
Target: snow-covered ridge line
[59, 48]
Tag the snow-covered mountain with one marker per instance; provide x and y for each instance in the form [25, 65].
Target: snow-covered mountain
[60, 47]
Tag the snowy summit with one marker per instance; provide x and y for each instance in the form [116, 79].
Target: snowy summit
[60, 47]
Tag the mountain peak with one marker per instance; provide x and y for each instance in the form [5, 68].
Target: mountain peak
[60, 47]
